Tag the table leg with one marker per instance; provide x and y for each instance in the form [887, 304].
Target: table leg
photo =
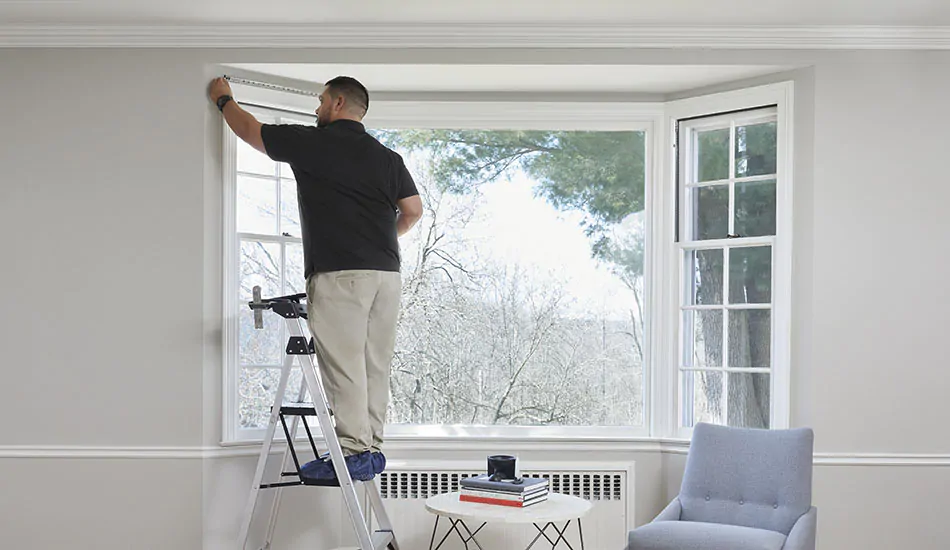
[542, 531]
[465, 538]
[434, 529]
[471, 535]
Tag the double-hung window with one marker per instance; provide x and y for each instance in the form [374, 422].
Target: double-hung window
[265, 250]
[732, 257]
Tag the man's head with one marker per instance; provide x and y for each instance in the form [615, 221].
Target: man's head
[342, 98]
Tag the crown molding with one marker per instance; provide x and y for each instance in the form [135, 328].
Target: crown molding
[473, 35]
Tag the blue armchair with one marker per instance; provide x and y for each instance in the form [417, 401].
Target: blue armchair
[743, 489]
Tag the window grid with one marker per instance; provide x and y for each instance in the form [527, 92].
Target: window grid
[691, 243]
[284, 239]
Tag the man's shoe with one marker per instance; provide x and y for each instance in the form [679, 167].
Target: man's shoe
[318, 470]
[379, 462]
[359, 465]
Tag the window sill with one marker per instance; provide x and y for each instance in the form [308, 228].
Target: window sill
[400, 443]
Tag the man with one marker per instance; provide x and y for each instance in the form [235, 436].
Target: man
[356, 198]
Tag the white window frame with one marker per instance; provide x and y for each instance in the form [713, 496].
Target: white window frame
[669, 409]
[662, 276]
[647, 117]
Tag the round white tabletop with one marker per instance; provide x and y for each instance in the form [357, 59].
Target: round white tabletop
[557, 507]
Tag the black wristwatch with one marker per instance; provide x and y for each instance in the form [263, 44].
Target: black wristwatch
[222, 101]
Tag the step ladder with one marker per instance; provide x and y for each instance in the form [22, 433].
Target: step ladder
[300, 346]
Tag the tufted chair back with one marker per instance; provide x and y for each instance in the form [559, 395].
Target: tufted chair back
[748, 477]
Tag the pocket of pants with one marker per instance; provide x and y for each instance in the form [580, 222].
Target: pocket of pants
[350, 282]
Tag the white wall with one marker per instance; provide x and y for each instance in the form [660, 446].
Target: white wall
[108, 190]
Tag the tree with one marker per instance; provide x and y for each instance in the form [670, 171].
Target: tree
[485, 343]
[599, 173]
[602, 174]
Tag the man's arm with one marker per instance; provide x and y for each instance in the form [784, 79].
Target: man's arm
[242, 123]
[410, 211]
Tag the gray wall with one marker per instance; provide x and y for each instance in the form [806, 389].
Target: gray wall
[109, 199]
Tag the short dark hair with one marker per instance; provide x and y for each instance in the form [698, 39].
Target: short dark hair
[351, 89]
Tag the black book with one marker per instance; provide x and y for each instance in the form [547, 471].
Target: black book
[527, 484]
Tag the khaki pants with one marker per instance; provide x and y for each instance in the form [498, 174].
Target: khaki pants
[352, 316]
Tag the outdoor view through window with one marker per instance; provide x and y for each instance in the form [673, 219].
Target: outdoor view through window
[523, 290]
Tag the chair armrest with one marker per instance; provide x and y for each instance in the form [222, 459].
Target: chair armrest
[802, 535]
[671, 512]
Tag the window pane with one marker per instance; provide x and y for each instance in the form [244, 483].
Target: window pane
[712, 155]
[750, 338]
[286, 171]
[260, 265]
[755, 208]
[260, 346]
[295, 268]
[750, 275]
[710, 212]
[523, 285]
[256, 205]
[252, 161]
[257, 388]
[755, 150]
[702, 397]
[703, 338]
[704, 269]
[748, 400]
[289, 213]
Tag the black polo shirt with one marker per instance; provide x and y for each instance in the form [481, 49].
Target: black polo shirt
[347, 187]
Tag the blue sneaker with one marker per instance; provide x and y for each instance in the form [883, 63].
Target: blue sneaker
[379, 462]
[359, 465]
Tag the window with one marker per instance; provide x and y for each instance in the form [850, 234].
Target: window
[524, 295]
[727, 251]
[569, 277]
[523, 300]
[269, 254]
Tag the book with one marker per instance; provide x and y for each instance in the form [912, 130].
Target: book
[515, 497]
[502, 500]
[527, 485]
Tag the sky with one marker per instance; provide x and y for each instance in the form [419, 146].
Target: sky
[512, 226]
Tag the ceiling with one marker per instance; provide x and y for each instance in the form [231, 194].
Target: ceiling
[630, 12]
[647, 79]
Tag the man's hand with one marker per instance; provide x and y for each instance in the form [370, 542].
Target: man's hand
[241, 122]
[410, 211]
[218, 87]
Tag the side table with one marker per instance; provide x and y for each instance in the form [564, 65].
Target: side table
[557, 508]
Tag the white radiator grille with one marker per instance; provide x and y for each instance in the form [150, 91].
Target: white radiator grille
[605, 527]
[586, 485]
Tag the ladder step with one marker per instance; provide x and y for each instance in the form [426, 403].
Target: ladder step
[381, 539]
[298, 409]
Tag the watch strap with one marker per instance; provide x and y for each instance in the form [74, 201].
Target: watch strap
[222, 101]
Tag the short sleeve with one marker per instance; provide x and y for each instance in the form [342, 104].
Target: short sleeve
[407, 186]
[286, 142]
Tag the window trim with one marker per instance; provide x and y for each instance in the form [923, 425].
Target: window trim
[660, 376]
[780, 96]
[613, 116]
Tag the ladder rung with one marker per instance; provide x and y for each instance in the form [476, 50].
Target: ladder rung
[381, 539]
[322, 482]
[298, 409]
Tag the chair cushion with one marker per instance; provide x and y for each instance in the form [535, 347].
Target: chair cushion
[695, 535]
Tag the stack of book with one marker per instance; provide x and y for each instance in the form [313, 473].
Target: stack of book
[504, 493]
